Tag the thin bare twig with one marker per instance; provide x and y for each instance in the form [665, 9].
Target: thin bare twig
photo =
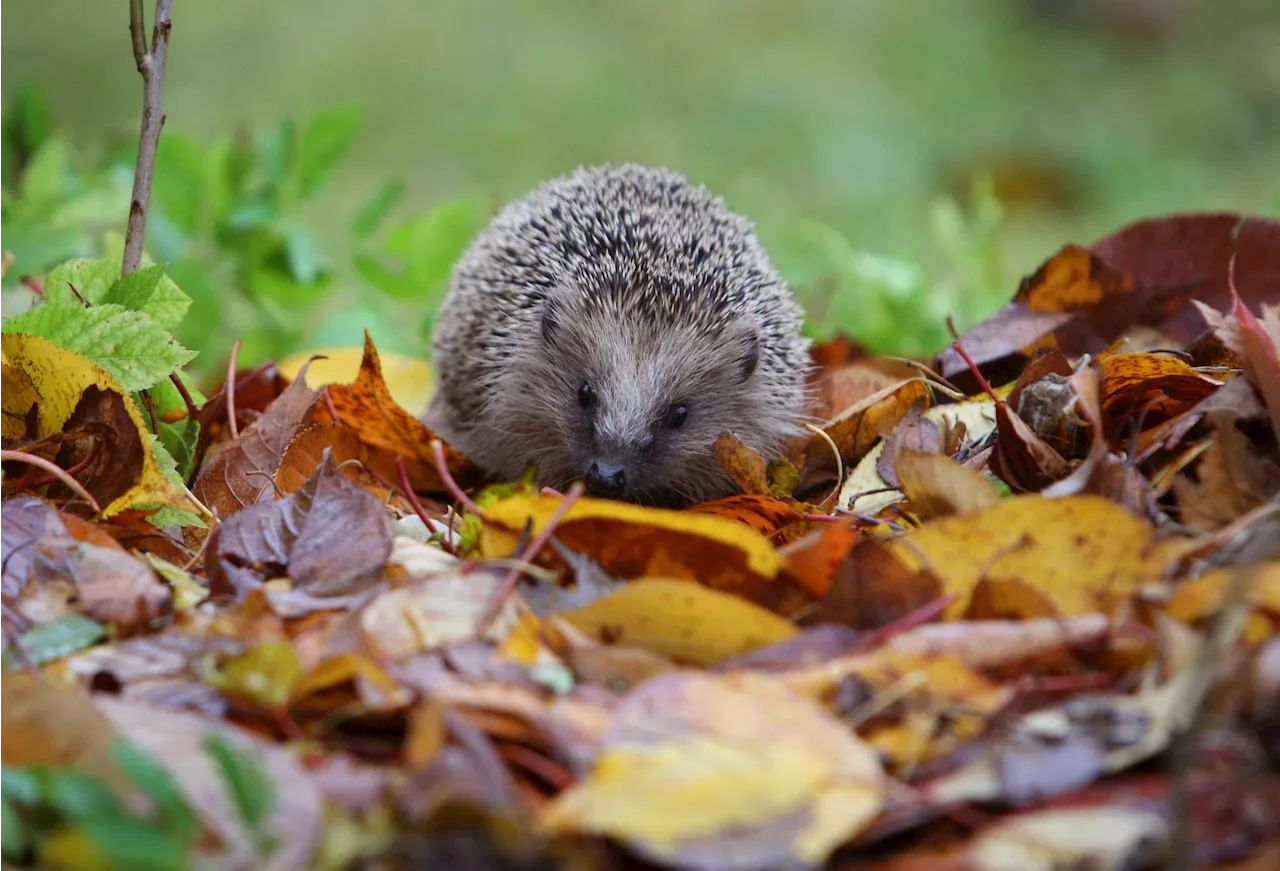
[55, 470]
[192, 411]
[232, 426]
[151, 63]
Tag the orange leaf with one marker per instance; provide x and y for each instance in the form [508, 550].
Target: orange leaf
[366, 406]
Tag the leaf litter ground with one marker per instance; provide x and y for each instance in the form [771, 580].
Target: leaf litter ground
[1015, 607]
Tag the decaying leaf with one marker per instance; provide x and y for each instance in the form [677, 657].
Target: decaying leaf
[329, 537]
[724, 772]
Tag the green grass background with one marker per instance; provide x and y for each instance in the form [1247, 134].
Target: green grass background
[857, 115]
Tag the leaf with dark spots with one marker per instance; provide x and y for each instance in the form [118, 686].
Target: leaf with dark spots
[330, 536]
[242, 472]
[109, 451]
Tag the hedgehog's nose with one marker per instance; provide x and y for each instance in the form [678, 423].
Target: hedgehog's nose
[606, 479]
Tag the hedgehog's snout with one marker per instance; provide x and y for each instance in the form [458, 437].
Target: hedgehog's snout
[606, 479]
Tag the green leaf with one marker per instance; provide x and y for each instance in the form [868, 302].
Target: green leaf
[129, 346]
[29, 119]
[155, 781]
[252, 791]
[179, 182]
[373, 271]
[375, 211]
[150, 290]
[179, 440]
[45, 179]
[57, 638]
[326, 138]
[91, 277]
[303, 256]
[78, 796]
[276, 153]
[13, 835]
[136, 844]
[432, 243]
[167, 398]
[20, 785]
[171, 515]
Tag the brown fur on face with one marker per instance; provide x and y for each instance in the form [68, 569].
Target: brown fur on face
[645, 288]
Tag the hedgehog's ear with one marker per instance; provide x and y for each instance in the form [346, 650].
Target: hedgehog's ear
[750, 356]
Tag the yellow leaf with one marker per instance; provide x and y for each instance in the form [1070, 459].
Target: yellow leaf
[696, 765]
[625, 534]
[937, 486]
[407, 378]
[943, 704]
[1084, 553]
[683, 620]
[265, 673]
[59, 377]
[1201, 597]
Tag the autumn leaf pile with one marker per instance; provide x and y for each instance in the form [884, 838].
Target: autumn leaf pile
[1014, 607]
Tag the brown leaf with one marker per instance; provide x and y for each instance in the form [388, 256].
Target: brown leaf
[761, 512]
[1022, 459]
[913, 432]
[113, 586]
[859, 427]
[743, 463]
[1154, 387]
[937, 486]
[874, 587]
[366, 406]
[305, 453]
[330, 537]
[1230, 479]
[101, 416]
[241, 473]
[813, 559]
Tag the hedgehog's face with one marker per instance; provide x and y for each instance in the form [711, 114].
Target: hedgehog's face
[638, 408]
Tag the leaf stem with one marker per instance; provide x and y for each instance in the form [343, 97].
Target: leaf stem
[55, 470]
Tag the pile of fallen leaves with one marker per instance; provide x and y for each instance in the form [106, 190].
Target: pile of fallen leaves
[1012, 608]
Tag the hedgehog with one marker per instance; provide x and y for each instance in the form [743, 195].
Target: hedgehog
[607, 328]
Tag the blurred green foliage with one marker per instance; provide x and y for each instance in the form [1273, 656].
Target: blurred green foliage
[872, 143]
[224, 220]
[65, 818]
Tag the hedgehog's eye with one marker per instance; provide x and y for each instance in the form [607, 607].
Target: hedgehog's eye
[676, 415]
[586, 396]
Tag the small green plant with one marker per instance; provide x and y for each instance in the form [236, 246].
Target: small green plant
[68, 819]
[225, 222]
[897, 304]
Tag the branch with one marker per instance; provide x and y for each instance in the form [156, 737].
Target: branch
[151, 66]
[137, 30]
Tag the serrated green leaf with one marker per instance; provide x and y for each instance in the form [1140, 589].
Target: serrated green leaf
[326, 138]
[91, 277]
[165, 516]
[13, 835]
[57, 638]
[127, 345]
[376, 209]
[155, 781]
[153, 292]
